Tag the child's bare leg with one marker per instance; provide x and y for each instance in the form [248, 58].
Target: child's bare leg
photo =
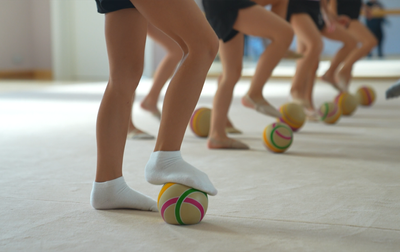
[311, 45]
[368, 42]
[125, 36]
[199, 48]
[165, 69]
[279, 7]
[231, 54]
[125, 50]
[259, 22]
[349, 44]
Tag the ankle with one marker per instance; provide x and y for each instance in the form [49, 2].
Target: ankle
[255, 96]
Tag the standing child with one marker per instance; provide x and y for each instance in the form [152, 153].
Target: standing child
[231, 20]
[347, 12]
[311, 20]
[126, 29]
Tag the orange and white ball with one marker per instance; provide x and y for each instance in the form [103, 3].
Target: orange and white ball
[347, 103]
[278, 137]
[293, 115]
[181, 205]
[366, 95]
[200, 122]
[329, 112]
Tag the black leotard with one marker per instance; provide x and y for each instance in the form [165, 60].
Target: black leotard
[310, 7]
[106, 6]
[222, 15]
[350, 8]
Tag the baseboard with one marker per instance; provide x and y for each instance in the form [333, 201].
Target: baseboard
[39, 74]
[43, 74]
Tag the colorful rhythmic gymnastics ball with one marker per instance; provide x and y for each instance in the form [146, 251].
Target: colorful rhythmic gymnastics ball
[293, 115]
[200, 122]
[347, 103]
[181, 205]
[329, 112]
[366, 95]
[278, 137]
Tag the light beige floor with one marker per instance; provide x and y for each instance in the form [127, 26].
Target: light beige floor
[336, 189]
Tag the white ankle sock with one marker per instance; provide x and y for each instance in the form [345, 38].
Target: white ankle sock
[116, 194]
[168, 166]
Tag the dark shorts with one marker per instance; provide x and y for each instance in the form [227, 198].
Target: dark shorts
[312, 8]
[106, 6]
[350, 8]
[222, 15]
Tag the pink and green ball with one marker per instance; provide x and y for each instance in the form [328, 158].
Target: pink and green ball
[278, 137]
[181, 205]
[329, 112]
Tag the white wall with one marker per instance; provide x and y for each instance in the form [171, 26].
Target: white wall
[15, 35]
[79, 48]
[41, 34]
[25, 35]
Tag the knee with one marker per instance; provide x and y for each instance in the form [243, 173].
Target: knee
[351, 43]
[175, 53]
[314, 49]
[285, 35]
[211, 46]
[205, 48]
[175, 57]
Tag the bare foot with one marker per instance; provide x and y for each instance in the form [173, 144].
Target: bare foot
[332, 81]
[232, 130]
[226, 143]
[229, 128]
[312, 115]
[261, 106]
[309, 110]
[344, 76]
[151, 107]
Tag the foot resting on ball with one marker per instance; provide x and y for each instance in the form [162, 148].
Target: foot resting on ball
[116, 194]
[168, 166]
[261, 106]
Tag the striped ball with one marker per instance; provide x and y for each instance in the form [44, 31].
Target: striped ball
[329, 112]
[200, 122]
[366, 95]
[293, 115]
[181, 205]
[347, 103]
[278, 137]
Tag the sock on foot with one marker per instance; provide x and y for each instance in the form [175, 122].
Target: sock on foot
[168, 166]
[116, 194]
